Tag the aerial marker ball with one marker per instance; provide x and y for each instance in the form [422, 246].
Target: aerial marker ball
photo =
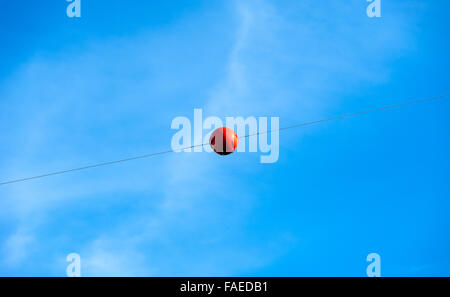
[224, 141]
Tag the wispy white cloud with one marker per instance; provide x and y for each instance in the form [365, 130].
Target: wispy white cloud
[104, 257]
[104, 103]
[15, 249]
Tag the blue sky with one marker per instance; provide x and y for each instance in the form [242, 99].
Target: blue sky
[107, 86]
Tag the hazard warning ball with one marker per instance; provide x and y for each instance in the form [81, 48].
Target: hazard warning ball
[223, 141]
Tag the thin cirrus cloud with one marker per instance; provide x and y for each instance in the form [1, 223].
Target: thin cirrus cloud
[165, 216]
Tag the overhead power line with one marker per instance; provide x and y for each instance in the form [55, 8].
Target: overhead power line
[304, 124]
